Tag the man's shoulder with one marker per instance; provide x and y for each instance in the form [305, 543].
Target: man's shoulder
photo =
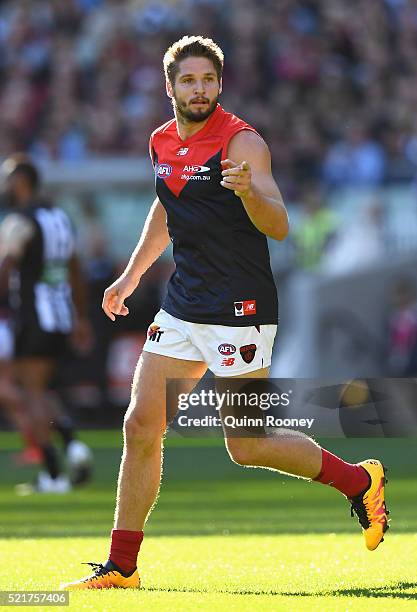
[168, 126]
[232, 124]
[232, 119]
[16, 217]
[16, 230]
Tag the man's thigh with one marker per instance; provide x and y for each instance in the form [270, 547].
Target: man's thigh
[241, 421]
[152, 374]
[261, 373]
[35, 373]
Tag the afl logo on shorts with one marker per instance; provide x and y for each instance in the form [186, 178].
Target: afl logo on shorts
[227, 349]
[163, 171]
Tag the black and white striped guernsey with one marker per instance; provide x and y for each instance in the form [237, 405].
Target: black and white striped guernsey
[41, 291]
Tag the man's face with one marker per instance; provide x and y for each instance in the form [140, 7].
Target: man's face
[16, 190]
[196, 89]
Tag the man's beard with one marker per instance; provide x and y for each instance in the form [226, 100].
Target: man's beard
[187, 114]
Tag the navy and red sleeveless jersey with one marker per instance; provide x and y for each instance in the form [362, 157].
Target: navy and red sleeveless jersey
[223, 274]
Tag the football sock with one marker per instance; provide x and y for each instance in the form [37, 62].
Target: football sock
[65, 427]
[50, 460]
[124, 548]
[348, 478]
[28, 437]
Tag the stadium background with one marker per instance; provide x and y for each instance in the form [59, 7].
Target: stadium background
[332, 88]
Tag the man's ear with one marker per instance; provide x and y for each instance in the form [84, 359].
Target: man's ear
[169, 89]
[221, 85]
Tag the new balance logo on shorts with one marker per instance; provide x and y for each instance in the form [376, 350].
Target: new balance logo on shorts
[247, 307]
[228, 361]
[155, 333]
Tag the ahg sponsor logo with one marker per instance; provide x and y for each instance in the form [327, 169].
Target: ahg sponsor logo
[195, 177]
[196, 168]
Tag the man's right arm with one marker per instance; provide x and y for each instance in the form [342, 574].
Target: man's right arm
[15, 232]
[152, 243]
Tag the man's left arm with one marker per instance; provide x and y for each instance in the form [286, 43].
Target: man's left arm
[247, 172]
[82, 334]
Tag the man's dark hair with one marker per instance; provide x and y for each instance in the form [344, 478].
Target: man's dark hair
[192, 46]
[21, 165]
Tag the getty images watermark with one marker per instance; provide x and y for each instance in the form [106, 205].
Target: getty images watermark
[248, 407]
[226, 399]
[385, 407]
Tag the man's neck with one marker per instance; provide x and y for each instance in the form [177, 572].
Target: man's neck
[188, 128]
[24, 201]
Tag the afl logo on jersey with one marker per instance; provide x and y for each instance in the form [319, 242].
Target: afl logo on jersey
[163, 171]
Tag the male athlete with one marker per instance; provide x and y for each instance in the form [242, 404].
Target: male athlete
[39, 270]
[217, 201]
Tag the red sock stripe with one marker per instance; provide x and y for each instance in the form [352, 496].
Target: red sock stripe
[348, 478]
[124, 548]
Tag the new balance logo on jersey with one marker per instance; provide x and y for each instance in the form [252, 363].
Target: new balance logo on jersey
[245, 308]
[183, 151]
[155, 333]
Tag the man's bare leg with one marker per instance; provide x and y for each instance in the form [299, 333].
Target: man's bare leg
[286, 451]
[34, 375]
[140, 469]
[144, 428]
[297, 454]
[11, 398]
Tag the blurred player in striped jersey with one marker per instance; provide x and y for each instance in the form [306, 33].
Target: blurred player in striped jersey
[40, 272]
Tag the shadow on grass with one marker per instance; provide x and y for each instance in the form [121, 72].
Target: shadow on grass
[395, 591]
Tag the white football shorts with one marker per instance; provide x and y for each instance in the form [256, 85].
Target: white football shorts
[227, 351]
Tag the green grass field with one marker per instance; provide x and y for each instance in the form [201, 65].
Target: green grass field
[221, 537]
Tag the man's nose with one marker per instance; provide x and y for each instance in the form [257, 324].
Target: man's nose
[199, 87]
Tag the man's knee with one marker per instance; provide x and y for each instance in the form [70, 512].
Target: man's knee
[243, 451]
[142, 432]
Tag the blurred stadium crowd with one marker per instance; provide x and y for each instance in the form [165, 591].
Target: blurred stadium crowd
[330, 85]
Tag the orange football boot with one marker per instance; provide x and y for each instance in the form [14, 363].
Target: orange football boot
[370, 507]
[107, 576]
